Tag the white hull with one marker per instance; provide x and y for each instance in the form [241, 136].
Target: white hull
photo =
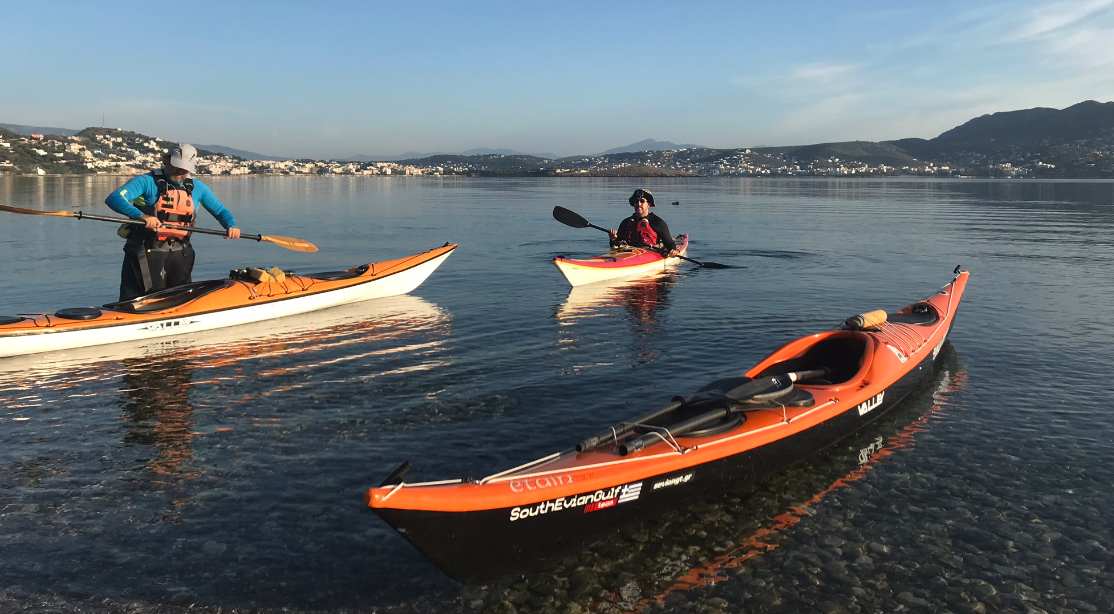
[392, 285]
[318, 329]
[581, 275]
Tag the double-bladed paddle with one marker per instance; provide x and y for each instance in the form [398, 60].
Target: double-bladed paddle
[753, 391]
[297, 245]
[571, 218]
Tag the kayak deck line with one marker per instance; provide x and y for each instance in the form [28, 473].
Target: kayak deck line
[504, 477]
[437, 483]
[496, 476]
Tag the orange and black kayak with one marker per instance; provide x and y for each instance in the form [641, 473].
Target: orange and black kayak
[248, 295]
[803, 397]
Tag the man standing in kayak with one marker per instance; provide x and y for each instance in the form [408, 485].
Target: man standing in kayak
[644, 229]
[156, 257]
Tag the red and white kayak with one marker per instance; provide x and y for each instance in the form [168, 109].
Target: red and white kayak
[207, 305]
[623, 262]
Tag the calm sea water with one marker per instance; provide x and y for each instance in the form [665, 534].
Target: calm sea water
[228, 471]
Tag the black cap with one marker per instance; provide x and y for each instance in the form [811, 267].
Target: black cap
[640, 193]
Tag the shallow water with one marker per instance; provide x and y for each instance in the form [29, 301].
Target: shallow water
[228, 471]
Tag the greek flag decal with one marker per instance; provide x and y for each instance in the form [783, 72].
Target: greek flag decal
[630, 492]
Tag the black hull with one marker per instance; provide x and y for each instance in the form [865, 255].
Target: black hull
[483, 546]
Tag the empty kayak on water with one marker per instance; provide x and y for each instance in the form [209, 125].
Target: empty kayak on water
[217, 303]
[624, 262]
[731, 433]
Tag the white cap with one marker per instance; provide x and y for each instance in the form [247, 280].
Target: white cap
[184, 156]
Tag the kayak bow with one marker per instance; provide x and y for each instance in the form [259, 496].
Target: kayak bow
[731, 433]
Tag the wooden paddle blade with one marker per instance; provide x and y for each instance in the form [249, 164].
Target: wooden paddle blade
[297, 245]
[34, 212]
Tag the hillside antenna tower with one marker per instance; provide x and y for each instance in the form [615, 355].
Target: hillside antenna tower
[102, 120]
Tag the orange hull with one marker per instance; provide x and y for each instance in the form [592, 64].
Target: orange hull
[480, 530]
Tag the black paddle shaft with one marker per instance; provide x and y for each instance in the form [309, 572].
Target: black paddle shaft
[222, 233]
[754, 390]
[625, 427]
[638, 443]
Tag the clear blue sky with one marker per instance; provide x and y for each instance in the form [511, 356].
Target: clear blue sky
[333, 79]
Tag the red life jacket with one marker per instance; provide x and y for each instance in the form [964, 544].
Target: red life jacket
[638, 233]
[174, 206]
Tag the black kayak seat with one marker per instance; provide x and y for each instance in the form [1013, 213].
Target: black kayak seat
[168, 298]
[78, 313]
[10, 319]
[335, 275]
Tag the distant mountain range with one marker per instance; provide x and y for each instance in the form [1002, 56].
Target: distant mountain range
[1076, 141]
[1004, 131]
[649, 145]
[239, 153]
[29, 130]
[644, 145]
[1058, 136]
[414, 155]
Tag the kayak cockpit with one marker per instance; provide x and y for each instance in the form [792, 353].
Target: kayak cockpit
[841, 355]
[844, 356]
[169, 298]
[337, 275]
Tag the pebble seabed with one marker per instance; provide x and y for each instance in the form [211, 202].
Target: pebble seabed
[824, 536]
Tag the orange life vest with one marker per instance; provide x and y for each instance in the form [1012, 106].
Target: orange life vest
[174, 206]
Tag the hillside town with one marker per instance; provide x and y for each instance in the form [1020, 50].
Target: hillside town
[119, 152]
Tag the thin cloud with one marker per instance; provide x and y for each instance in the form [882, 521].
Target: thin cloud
[826, 118]
[1049, 19]
[823, 72]
[811, 75]
[1092, 47]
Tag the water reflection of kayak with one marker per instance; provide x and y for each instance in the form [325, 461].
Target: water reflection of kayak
[208, 305]
[639, 296]
[318, 330]
[617, 263]
[732, 432]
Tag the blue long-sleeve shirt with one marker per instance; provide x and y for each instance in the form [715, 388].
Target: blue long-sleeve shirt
[144, 186]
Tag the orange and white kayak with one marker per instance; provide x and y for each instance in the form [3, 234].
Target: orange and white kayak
[207, 305]
[731, 433]
[624, 262]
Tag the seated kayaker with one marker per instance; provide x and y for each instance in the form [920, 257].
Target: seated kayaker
[644, 229]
